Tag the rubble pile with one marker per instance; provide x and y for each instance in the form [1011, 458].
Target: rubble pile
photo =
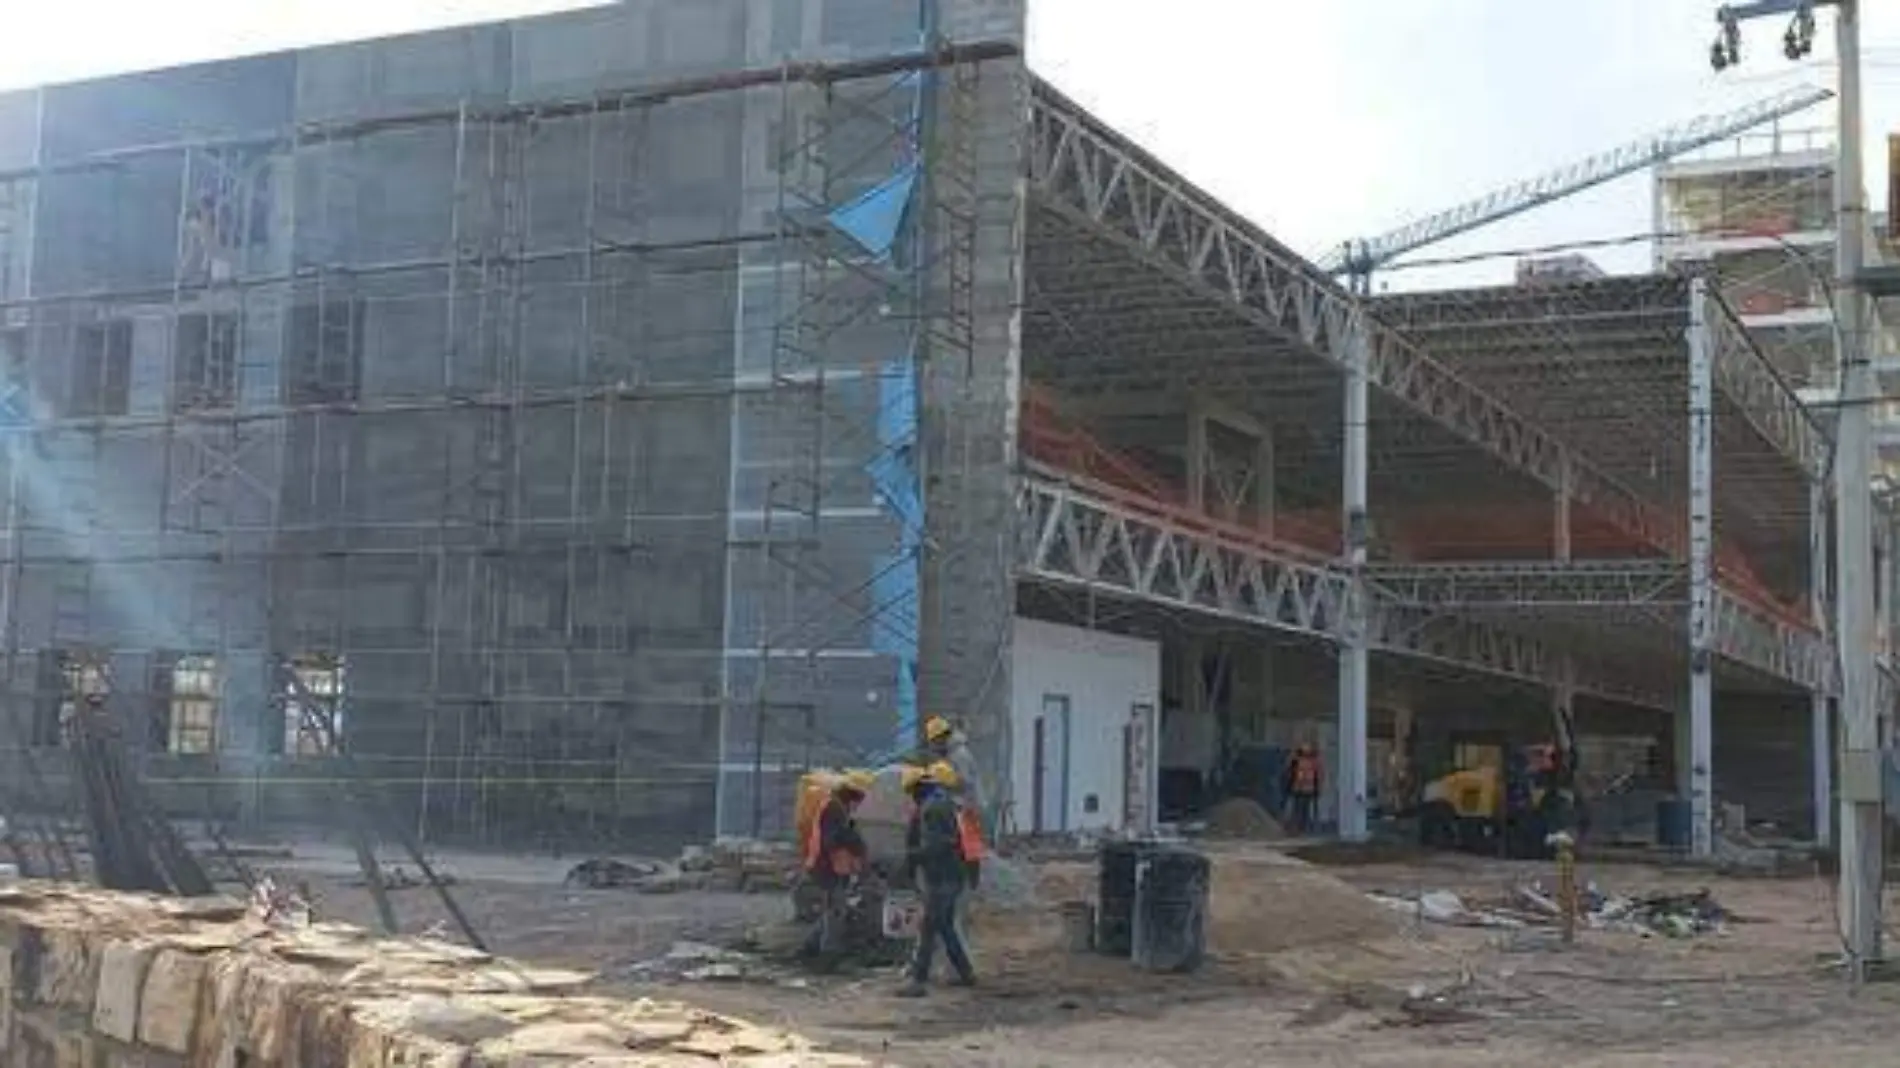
[729, 865]
[93, 977]
[1670, 915]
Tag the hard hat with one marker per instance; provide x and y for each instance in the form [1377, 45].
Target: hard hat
[857, 780]
[936, 729]
[942, 774]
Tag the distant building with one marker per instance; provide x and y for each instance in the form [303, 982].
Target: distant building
[1550, 270]
[1757, 215]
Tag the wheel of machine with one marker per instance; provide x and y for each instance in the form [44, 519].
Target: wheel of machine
[1438, 825]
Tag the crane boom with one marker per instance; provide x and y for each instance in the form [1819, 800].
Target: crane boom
[1361, 258]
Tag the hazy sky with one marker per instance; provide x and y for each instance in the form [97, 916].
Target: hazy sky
[1322, 120]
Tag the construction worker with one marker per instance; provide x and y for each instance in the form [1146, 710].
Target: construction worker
[944, 743]
[1302, 784]
[939, 737]
[934, 858]
[834, 854]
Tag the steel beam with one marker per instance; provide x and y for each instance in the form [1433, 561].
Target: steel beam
[1532, 584]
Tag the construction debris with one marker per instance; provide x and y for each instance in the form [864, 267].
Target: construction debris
[701, 963]
[1443, 906]
[730, 865]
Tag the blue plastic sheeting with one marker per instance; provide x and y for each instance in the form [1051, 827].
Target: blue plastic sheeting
[894, 604]
[894, 587]
[876, 217]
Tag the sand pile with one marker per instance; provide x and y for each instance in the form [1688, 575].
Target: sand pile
[1260, 902]
[1264, 903]
[1242, 817]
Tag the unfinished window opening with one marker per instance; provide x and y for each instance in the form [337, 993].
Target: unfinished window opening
[326, 352]
[314, 705]
[69, 680]
[228, 212]
[102, 369]
[204, 370]
[186, 719]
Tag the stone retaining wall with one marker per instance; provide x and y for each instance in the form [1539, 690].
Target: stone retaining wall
[102, 980]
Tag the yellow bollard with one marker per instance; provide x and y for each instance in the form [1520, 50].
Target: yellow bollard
[1567, 902]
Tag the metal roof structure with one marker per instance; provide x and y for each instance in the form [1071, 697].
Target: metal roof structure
[1145, 296]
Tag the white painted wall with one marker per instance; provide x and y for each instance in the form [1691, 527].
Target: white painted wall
[1103, 676]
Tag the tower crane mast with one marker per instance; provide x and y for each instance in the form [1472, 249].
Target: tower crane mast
[1359, 258]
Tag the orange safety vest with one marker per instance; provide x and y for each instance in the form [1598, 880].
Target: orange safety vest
[969, 836]
[1305, 773]
[843, 861]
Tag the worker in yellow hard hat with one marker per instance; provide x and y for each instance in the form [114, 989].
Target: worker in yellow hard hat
[934, 859]
[834, 854]
[939, 737]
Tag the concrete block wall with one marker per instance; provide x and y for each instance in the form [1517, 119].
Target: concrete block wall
[90, 979]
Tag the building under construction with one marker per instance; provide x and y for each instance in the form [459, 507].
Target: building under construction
[590, 422]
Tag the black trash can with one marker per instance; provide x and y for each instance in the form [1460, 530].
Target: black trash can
[1170, 924]
[1115, 895]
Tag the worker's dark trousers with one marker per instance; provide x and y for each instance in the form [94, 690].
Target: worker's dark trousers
[828, 933]
[1305, 811]
[940, 925]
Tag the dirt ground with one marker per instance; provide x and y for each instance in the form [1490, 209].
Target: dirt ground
[1305, 971]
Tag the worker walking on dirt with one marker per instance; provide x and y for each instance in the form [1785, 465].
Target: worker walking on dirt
[934, 857]
[834, 854]
[1302, 784]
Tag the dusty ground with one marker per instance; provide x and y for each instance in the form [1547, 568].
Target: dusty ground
[1304, 973]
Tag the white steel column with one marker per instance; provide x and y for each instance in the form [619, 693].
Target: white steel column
[1820, 711]
[1701, 572]
[1353, 659]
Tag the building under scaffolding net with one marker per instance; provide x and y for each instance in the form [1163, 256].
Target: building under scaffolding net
[530, 409]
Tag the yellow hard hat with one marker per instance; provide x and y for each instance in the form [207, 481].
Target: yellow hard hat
[858, 780]
[936, 729]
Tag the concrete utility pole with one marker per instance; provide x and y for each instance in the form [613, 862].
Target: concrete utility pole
[1859, 833]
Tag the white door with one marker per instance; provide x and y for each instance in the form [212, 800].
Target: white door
[1052, 765]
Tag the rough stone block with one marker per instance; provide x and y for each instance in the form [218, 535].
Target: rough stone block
[169, 1003]
[115, 1003]
[68, 970]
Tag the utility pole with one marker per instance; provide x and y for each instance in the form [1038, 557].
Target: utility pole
[1859, 832]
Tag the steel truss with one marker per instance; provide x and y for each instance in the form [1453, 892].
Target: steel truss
[1747, 635]
[1080, 536]
[1473, 645]
[1084, 171]
[1532, 584]
[1744, 375]
[1074, 537]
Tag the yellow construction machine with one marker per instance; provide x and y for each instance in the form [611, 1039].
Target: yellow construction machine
[1509, 810]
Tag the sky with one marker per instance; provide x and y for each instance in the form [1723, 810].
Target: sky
[1322, 121]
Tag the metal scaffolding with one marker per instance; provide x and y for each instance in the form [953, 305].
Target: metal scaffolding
[490, 441]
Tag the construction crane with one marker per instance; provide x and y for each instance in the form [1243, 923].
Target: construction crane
[1358, 259]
